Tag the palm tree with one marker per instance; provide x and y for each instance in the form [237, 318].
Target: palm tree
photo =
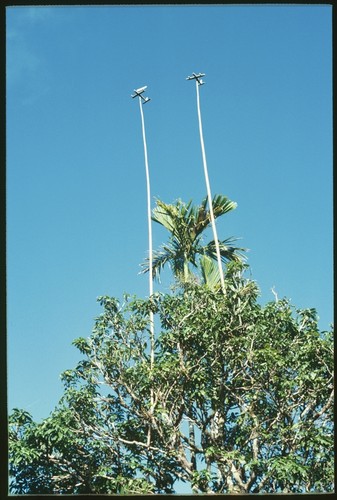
[186, 224]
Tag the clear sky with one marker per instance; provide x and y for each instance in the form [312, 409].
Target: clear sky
[76, 192]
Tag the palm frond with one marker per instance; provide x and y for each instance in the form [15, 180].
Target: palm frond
[175, 218]
[209, 272]
[228, 252]
[221, 205]
[166, 254]
[165, 215]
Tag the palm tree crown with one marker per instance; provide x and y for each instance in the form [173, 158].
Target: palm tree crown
[186, 224]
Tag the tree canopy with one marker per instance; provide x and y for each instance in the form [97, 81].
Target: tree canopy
[243, 400]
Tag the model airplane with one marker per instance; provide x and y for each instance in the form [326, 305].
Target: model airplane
[196, 77]
[138, 92]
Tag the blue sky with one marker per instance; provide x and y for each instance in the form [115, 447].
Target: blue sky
[76, 198]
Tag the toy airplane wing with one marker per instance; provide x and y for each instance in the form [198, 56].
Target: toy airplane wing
[138, 92]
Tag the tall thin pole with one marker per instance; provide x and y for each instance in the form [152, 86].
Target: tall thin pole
[148, 190]
[199, 82]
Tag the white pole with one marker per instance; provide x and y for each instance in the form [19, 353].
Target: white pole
[150, 262]
[208, 187]
[149, 230]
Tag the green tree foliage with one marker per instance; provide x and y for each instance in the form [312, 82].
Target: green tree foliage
[186, 224]
[243, 400]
